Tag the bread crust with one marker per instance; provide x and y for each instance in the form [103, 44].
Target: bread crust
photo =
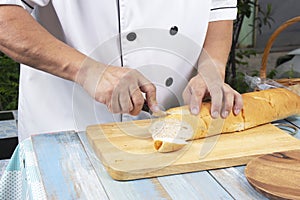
[259, 108]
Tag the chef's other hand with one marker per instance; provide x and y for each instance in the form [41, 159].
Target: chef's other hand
[119, 88]
[223, 97]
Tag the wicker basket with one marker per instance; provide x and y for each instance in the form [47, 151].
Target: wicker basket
[286, 81]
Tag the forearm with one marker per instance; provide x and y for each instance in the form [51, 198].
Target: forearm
[27, 42]
[218, 43]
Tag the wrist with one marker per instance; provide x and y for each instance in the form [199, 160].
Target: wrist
[208, 66]
[89, 72]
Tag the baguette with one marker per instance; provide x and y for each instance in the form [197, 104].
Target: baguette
[175, 130]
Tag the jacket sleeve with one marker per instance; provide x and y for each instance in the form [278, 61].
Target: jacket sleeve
[223, 10]
[26, 4]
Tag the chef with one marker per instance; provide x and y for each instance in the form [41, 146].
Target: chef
[90, 62]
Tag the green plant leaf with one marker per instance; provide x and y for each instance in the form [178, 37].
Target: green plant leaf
[9, 83]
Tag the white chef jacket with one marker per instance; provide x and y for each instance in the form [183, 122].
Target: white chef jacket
[162, 39]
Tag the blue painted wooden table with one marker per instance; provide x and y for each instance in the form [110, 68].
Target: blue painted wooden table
[69, 169]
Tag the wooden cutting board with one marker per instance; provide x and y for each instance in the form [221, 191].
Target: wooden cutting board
[276, 175]
[126, 149]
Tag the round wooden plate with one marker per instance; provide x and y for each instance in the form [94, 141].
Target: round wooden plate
[276, 175]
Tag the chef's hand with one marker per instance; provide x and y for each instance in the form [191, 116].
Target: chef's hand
[119, 88]
[223, 97]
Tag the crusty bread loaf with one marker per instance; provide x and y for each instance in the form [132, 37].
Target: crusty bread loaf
[173, 131]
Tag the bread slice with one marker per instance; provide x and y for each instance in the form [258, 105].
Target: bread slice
[173, 131]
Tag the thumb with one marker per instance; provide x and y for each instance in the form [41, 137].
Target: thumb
[150, 90]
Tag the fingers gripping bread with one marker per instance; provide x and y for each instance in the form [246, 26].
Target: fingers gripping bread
[173, 131]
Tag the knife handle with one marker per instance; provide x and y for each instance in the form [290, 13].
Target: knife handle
[146, 107]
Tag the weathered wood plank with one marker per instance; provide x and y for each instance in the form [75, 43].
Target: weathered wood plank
[197, 185]
[234, 181]
[65, 168]
[138, 189]
[69, 173]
